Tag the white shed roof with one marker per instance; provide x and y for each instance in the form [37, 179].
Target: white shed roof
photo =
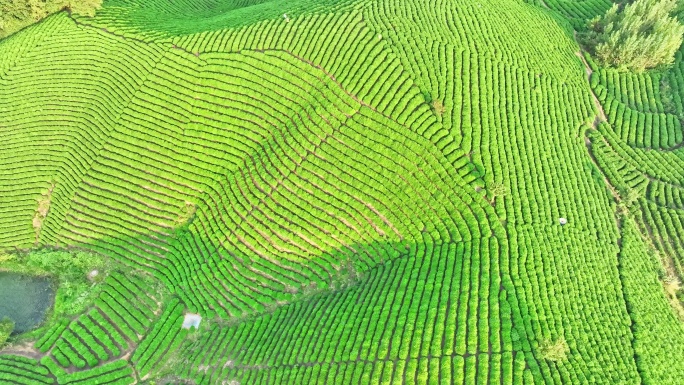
[191, 320]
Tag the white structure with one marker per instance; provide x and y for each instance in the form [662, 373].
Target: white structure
[191, 320]
[562, 221]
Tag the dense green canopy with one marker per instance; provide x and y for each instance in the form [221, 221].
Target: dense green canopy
[639, 36]
[17, 14]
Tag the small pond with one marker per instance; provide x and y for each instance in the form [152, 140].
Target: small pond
[24, 299]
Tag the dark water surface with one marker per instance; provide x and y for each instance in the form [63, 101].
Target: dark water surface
[24, 299]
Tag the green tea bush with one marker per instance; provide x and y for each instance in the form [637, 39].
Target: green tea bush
[23, 370]
[245, 164]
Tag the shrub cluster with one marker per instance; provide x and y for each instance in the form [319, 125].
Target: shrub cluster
[641, 35]
[6, 328]
[23, 370]
[17, 14]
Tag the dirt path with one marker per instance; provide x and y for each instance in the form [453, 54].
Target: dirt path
[669, 288]
[25, 349]
[672, 286]
[601, 117]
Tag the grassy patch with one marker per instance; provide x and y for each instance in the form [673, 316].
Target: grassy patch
[6, 327]
[556, 350]
[69, 271]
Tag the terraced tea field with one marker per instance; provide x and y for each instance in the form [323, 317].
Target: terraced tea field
[349, 191]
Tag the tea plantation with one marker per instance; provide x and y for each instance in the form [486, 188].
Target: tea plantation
[347, 192]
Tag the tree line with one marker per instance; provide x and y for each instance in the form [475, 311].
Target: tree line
[638, 35]
[17, 14]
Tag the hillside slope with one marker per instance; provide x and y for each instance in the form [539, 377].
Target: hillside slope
[290, 179]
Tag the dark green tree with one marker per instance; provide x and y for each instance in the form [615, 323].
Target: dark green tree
[640, 35]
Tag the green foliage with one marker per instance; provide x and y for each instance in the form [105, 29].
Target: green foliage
[182, 17]
[315, 159]
[346, 276]
[658, 330]
[578, 12]
[165, 334]
[495, 190]
[83, 7]
[17, 14]
[438, 107]
[6, 327]
[186, 213]
[23, 370]
[70, 270]
[554, 350]
[639, 150]
[6, 258]
[639, 36]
